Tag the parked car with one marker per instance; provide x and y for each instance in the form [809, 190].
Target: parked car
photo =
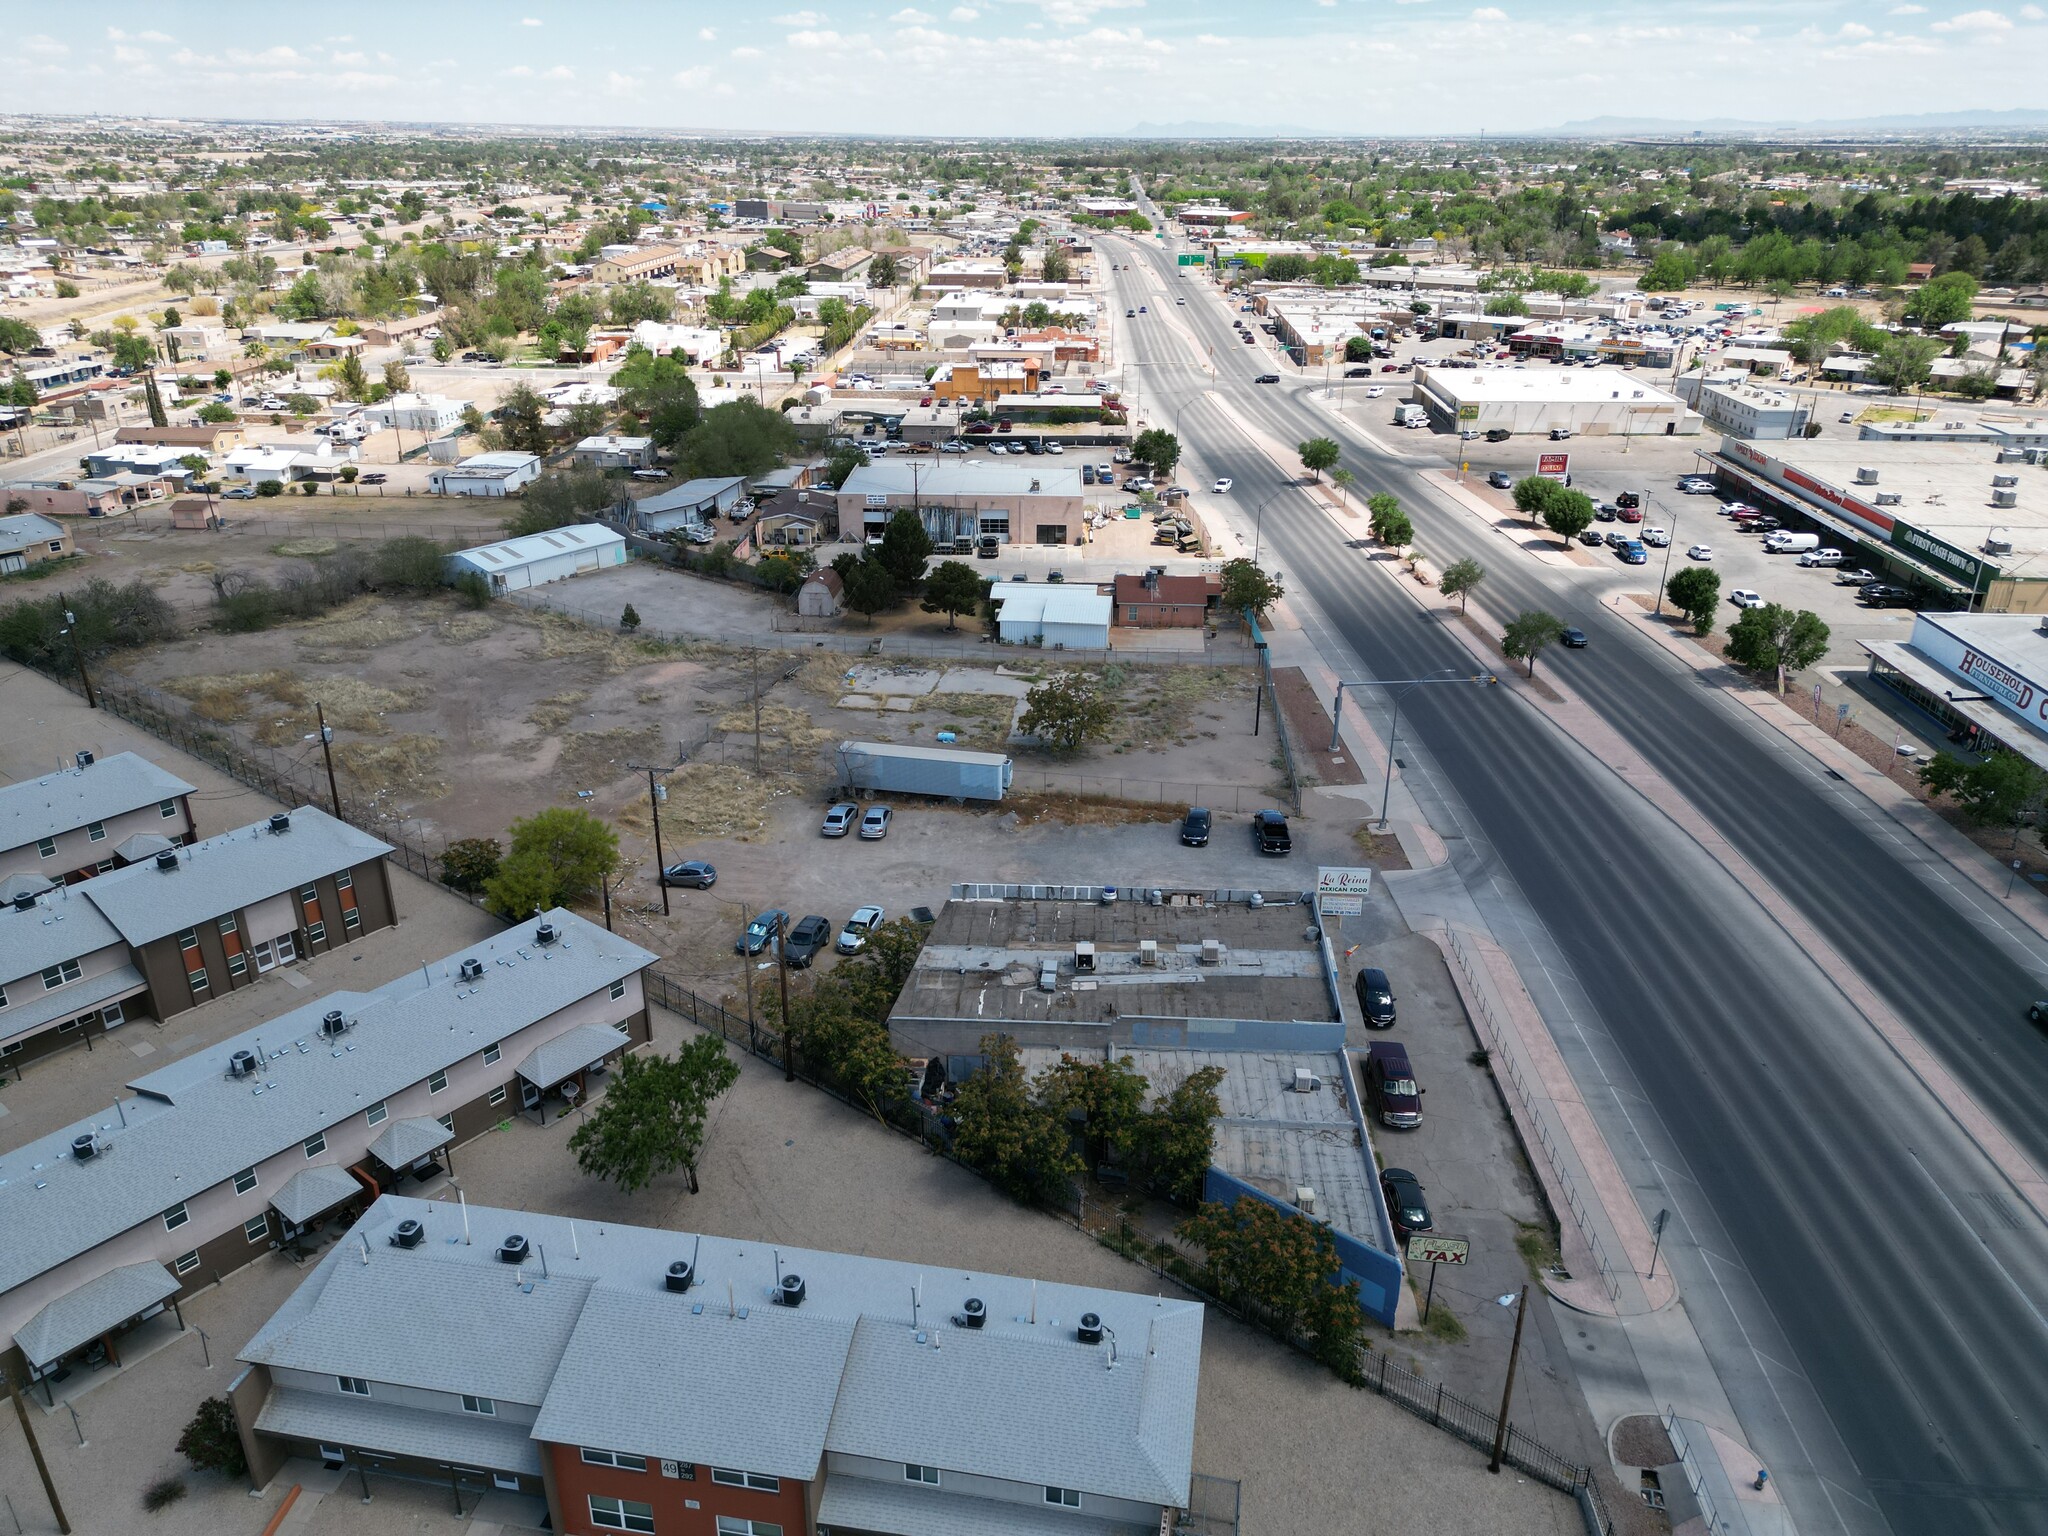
[1375, 391]
[1614, 538]
[1821, 557]
[875, 824]
[1591, 536]
[1627, 499]
[1656, 538]
[839, 819]
[1629, 514]
[691, 874]
[1605, 511]
[1881, 594]
[1572, 639]
[375, 477]
[1856, 578]
[1270, 834]
[1633, 553]
[1194, 829]
[1406, 1208]
[1389, 1085]
[1742, 597]
[805, 940]
[1497, 434]
[761, 932]
[1223, 486]
[1375, 998]
[1501, 480]
[239, 493]
[1700, 552]
[1736, 508]
[1358, 373]
[853, 938]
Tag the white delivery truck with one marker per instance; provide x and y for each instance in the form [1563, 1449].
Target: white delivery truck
[1410, 414]
[1782, 542]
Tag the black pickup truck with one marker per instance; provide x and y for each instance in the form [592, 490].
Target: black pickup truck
[1269, 833]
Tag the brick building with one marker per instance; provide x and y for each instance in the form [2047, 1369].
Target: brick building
[1156, 600]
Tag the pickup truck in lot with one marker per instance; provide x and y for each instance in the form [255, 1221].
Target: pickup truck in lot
[1270, 834]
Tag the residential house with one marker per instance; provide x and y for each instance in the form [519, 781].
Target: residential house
[428, 415]
[1156, 600]
[645, 1380]
[636, 264]
[29, 538]
[207, 438]
[249, 1144]
[485, 474]
[610, 451]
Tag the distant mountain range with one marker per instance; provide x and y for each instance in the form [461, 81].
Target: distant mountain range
[1222, 131]
[1913, 122]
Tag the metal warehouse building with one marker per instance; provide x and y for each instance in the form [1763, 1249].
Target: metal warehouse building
[540, 558]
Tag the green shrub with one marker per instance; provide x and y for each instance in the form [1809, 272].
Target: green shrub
[309, 487]
[410, 564]
[211, 1441]
[472, 590]
[270, 488]
[251, 609]
[163, 1493]
[469, 864]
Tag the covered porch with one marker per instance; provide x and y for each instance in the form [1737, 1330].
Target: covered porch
[563, 1068]
[308, 1198]
[97, 1324]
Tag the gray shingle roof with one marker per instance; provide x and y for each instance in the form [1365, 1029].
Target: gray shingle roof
[403, 1142]
[143, 845]
[62, 925]
[192, 1125]
[913, 1509]
[92, 1309]
[657, 1373]
[546, 1065]
[366, 1424]
[38, 808]
[38, 1008]
[225, 873]
[314, 1191]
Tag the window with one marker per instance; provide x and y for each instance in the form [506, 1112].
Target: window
[916, 1474]
[245, 1181]
[354, 1386]
[176, 1217]
[68, 1025]
[316, 933]
[734, 1525]
[189, 939]
[333, 1455]
[1066, 1498]
[96, 831]
[491, 1054]
[225, 925]
[316, 1144]
[238, 965]
[618, 990]
[257, 1228]
[623, 1514]
[167, 809]
[351, 919]
[104, 867]
[756, 1480]
[309, 895]
[447, 1123]
[198, 979]
[46, 847]
[11, 1048]
[3, 997]
[376, 1112]
[185, 1263]
[625, 1461]
[437, 1082]
[505, 1482]
[57, 975]
[488, 1407]
[497, 1095]
[344, 881]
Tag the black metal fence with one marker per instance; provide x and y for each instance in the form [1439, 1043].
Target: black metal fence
[1279, 715]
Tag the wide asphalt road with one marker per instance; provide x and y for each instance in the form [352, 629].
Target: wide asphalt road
[1883, 1337]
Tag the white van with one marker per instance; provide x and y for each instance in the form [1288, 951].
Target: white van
[1782, 542]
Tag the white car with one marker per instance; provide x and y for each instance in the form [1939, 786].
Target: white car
[1742, 597]
[1696, 485]
[953, 447]
[1054, 448]
[1223, 486]
[1656, 538]
[1700, 552]
[853, 938]
[1730, 508]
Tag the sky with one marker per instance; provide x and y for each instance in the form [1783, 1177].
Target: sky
[964, 68]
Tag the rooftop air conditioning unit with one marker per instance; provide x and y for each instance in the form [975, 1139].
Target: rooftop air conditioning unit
[167, 861]
[242, 1063]
[1084, 958]
[2005, 498]
[1997, 546]
[1889, 498]
[1212, 951]
[1090, 1329]
[85, 1148]
[410, 1234]
[333, 1023]
[973, 1313]
[513, 1250]
[1305, 1081]
[1305, 1199]
[789, 1291]
[1866, 476]
[25, 902]
[472, 970]
[1148, 951]
[2002, 480]
[679, 1277]
[544, 934]
[280, 821]
[83, 759]
[1049, 977]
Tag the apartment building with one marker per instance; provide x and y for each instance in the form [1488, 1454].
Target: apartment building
[73, 824]
[633, 1379]
[634, 264]
[246, 1145]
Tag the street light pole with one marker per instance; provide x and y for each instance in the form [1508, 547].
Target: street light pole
[1401, 685]
[1670, 543]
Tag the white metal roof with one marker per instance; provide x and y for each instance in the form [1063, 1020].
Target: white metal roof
[509, 554]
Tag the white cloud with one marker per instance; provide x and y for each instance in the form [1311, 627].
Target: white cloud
[1975, 21]
[560, 72]
[1489, 13]
[616, 84]
[2033, 13]
[693, 79]
[746, 53]
[517, 72]
[911, 17]
[707, 35]
[963, 13]
[1075, 13]
[348, 58]
[1855, 30]
[1211, 40]
[529, 21]
[1907, 10]
[42, 46]
[801, 19]
[814, 38]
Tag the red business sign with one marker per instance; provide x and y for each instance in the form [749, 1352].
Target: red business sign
[1553, 464]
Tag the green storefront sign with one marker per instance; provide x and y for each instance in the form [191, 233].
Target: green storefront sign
[1958, 565]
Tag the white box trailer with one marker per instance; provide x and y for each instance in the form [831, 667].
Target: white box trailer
[957, 775]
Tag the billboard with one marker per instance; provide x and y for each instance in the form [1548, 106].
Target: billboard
[1553, 465]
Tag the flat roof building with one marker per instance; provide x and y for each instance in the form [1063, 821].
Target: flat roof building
[1057, 615]
[662, 1381]
[1033, 503]
[1589, 402]
[485, 474]
[1982, 674]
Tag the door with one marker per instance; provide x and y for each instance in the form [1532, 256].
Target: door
[286, 954]
[529, 1095]
[265, 958]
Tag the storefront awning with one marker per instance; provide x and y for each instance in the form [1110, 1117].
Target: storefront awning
[315, 1192]
[1870, 544]
[96, 1307]
[566, 1055]
[1960, 698]
[405, 1142]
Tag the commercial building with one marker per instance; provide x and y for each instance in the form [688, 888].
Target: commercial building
[1156, 600]
[70, 825]
[967, 274]
[1966, 521]
[175, 928]
[1984, 675]
[513, 565]
[243, 1146]
[428, 415]
[485, 474]
[633, 1379]
[635, 264]
[27, 539]
[694, 501]
[1179, 979]
[1589, 402]
[843, 266]
[1060, 616]
[610, 451]
[986, 382]
[1752, 411]
[1033, 503]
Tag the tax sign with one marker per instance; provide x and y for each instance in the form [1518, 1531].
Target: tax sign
[1424, 1248]
[1553, 465]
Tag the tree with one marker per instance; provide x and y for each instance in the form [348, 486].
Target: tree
[1944, 300]
[905, 548]
[132, 352]
[999, 1128]
[396, 378]
[1066, 711]
[350, 379]
[1696, 593]
[211, 1442]
[843, 462]
[468, 863]
[629, 618]
[1390, 525]
[1055, 266]
[1777, 640]
[953, 589]
[1158, 449]
[301, 405]
[1459, 578]
[522, 420]
[556, 500]
[1176, 1138]
[660, 392]
[651, 1120]
[18, 335]
[1507, 304]
[740, 437]
[1245, 585]
[884, 272]
[1670, 270]
[1343, 479]
[216, 414]
[1904, 362]
[1528, 632]
[1358, 349]
[558, 855]
[1281, 1266]
[1319, 454]
[1996, 790]
[865, 584]
[1106, 1096]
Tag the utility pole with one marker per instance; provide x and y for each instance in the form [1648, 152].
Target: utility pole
[747, 968]
[788, 1034]
[654, 813]
[1507, 1392]
[754, 676]
[35, 1450]
[327, 751]
[78, 652]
